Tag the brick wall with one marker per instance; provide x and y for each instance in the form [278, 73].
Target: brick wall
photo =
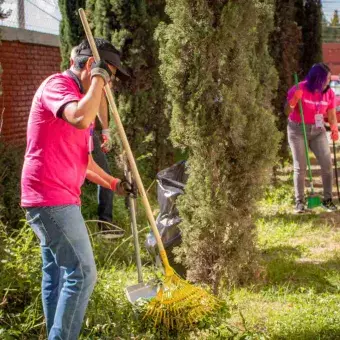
[25, 65]
[331, 56]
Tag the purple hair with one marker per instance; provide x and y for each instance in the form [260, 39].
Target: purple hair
[317, 77]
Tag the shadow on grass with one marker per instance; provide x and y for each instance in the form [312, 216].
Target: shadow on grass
[316, 218]
[285, 267]
[325, 334]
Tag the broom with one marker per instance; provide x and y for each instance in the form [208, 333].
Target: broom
[177, 303]
[313, 200]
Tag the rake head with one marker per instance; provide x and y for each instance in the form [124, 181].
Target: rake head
[178, 304]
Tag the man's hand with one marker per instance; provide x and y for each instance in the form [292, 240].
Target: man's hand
[334, 132]
[123, 187]
[102, 70]
[296, 97]
[106, 138]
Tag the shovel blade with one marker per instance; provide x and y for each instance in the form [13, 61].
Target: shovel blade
[140, 290]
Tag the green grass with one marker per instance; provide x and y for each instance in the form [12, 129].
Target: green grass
[298, 293]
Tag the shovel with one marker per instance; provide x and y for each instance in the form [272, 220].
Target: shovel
[140, 290]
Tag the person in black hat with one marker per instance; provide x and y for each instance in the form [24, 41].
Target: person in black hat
[107, 52]
[57, 161]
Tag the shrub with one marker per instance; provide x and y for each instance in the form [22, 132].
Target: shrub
[221, 81]
[11, 159]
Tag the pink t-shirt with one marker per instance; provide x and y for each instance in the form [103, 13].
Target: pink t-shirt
[56, 156]
[312, 103]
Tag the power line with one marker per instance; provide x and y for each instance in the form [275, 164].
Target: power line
[52, 16]
[335, 27]
[50, 3]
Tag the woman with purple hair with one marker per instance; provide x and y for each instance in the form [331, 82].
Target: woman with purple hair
[318, 100]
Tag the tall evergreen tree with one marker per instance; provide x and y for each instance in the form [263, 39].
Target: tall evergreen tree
[286, 43]
[330, 32]
[71, 29]
[311, 35]
[335, 19]
[130, 25]
[221, 81]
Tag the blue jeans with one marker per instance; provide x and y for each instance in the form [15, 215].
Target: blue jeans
[105, 196]
[69, 271]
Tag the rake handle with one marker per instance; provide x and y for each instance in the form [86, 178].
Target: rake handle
[304, 136]
[168, 270]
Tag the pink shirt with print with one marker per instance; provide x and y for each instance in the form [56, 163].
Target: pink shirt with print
[312, 103]
[56, 156]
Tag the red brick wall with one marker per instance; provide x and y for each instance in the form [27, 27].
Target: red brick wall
[331, 56]
[24, 66]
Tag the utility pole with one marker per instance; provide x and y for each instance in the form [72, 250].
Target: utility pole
[21, 13]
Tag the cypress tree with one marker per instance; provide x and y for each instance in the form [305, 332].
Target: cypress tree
[286, 50]
[335, 19]
[221, 81]
[71, 29]
[331, 32]
[141, 101]
[311, 35]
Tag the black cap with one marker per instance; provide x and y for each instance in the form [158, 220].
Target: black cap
[111, 58]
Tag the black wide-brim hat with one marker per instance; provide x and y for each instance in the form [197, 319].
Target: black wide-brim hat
[111, 58]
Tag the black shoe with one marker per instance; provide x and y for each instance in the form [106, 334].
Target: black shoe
[300, 207]
[329, 205]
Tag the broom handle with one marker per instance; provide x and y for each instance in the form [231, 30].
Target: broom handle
[336, 171]
[168, 270]
[304, 136]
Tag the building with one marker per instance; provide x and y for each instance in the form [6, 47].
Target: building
[29, 52]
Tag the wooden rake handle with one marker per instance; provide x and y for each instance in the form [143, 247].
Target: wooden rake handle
[126, 145]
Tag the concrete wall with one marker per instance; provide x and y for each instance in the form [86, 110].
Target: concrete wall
[27, 58]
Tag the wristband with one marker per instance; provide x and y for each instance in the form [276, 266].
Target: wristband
[114, 183]
[106, 132]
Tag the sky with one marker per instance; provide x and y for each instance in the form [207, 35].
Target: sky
[329, 6]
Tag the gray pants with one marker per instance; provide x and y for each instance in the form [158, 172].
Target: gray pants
[318, 143]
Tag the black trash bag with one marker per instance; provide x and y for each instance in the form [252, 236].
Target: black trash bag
[170, 185]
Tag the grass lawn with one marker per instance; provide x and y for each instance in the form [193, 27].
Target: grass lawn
[297, 295]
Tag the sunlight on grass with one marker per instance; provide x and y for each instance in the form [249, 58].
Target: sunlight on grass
[298, 296]
[306, 315]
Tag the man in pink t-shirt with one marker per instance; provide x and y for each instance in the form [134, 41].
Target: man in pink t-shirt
[318, 101]
[57, 161]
